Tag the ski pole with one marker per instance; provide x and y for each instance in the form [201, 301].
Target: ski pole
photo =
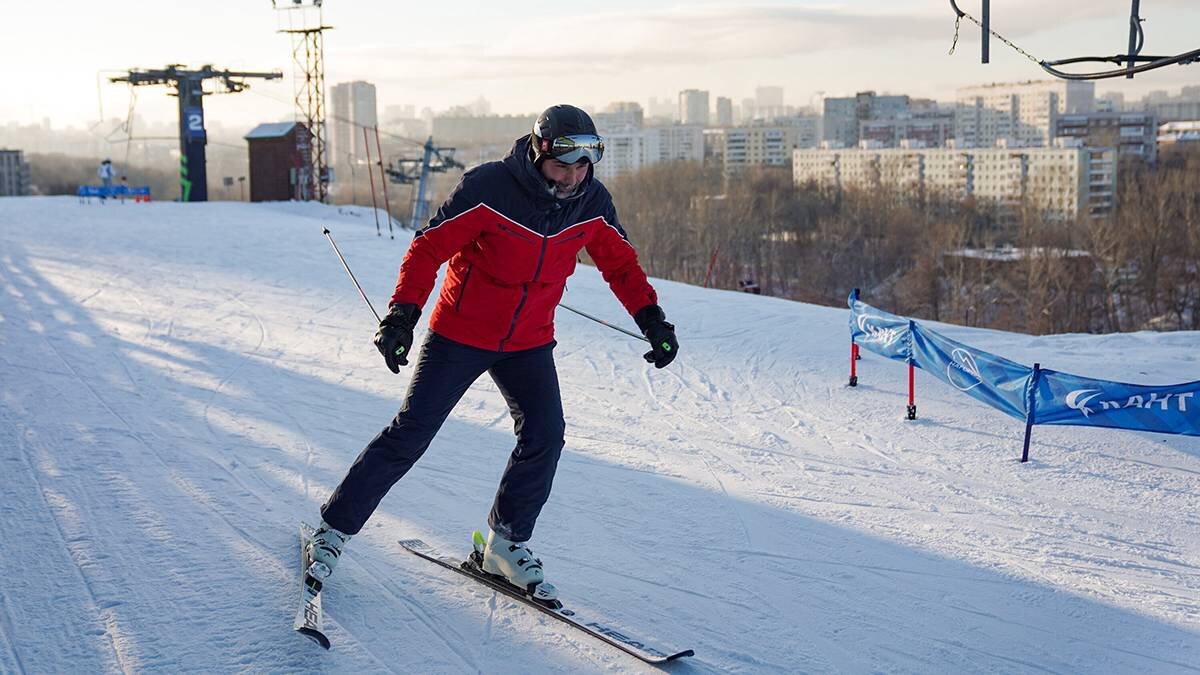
[604, 323]
[325, 231]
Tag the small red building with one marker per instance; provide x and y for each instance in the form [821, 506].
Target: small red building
[279, 161]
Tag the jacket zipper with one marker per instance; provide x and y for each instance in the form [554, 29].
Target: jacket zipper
[463, 290]
[525, 293]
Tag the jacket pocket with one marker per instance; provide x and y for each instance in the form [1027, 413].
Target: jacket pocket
[577, 235]
[515, 233]
[463, 290]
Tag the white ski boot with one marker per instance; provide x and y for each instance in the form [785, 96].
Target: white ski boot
[324, 550]
[515, 562]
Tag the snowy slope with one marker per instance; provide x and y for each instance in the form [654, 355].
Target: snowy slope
[179, 384]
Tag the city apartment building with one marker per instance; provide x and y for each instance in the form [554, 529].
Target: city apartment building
[14, 174]
[930, 127]
[843, 116]
[758, 146]
[807, 127]
[623, 153]
[678, 142]
[1173, 133]
[1063, 181]
[1025, 112]
[353, 107]
[1183, 107]
[1176, 111]
[630, 149]
[1132, 134]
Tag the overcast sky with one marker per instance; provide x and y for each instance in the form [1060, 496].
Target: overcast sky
[55, 57]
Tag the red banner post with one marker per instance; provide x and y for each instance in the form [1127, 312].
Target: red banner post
[912, 402]
[853, 363]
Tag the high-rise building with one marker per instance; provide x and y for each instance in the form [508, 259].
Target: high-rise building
[768, 97]
[844, 115]
[693, 107]
[353, 107]
[724, 112]
[662, 110]
[618, 117]
[749, 111]
[768, 103]
[14, 174]
[1022, 113]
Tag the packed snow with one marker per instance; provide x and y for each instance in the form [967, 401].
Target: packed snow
[181, 384]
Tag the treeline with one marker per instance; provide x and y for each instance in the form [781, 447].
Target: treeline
[963, 263]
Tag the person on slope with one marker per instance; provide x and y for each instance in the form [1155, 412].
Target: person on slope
[106, 172]
[511, 231]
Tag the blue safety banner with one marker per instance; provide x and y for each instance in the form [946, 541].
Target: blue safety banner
[1039, 396]
[1069, 399]
[883, 333]
[114, 191]
[1000, 383]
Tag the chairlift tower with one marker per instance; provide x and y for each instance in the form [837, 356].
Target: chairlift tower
[189, 87]
[416, 172]
[306, 26]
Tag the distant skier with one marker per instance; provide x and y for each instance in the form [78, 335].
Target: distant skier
[106, 173]
[511, 231]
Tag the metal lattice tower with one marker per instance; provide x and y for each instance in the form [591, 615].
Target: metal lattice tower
[308, 62]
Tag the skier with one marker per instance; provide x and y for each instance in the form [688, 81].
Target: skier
[511, 231]
[106, 173]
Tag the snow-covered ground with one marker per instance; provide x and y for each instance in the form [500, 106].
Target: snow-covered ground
[180, 384]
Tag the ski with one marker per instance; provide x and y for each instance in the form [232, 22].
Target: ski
[309, 616]
[601, 630]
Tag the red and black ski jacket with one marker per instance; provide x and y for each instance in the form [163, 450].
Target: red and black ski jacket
[511, 245]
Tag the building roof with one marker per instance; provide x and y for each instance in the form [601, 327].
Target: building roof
[271, 130]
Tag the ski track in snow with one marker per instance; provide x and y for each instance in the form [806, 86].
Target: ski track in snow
[184, 382]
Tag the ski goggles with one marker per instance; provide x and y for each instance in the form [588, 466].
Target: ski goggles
[571, 149]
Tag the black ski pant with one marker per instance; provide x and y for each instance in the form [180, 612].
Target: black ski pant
[444, 371]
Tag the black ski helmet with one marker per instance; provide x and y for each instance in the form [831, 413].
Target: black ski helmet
[565, 130]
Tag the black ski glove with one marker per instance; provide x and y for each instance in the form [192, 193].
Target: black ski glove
[663, 346]
[395, 335]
